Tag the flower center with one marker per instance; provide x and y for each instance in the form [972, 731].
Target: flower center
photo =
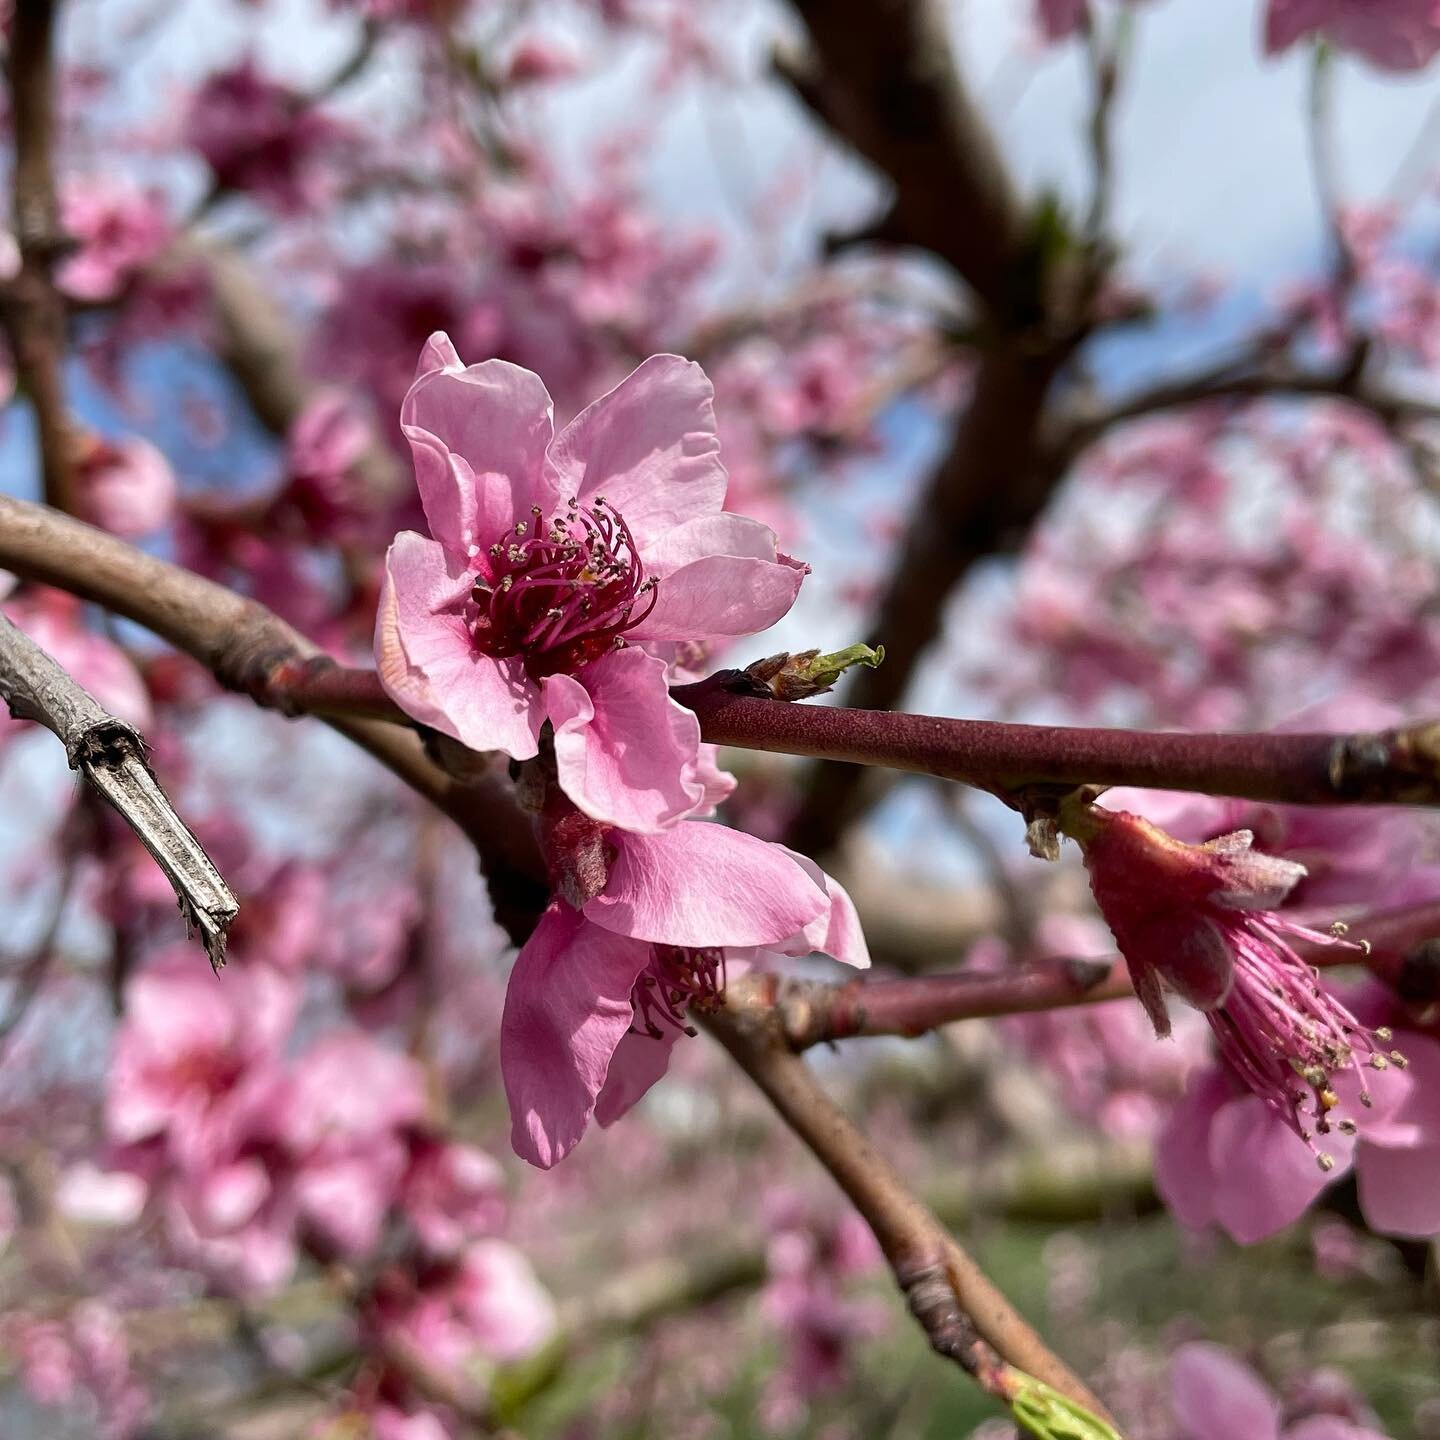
[560, 593]
[1288, 1039]
[674, 980]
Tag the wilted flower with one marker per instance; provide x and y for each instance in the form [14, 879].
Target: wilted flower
[1200, 919]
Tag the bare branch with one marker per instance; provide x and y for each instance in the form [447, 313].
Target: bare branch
[31, 308]
[882, 76]
[1235, 381]
[111, 755]
[810, 1012]
[962, 1313]
[1399, 766]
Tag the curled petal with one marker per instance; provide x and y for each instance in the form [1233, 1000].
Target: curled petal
[719, 576]
[639, 1061]
[478, 435]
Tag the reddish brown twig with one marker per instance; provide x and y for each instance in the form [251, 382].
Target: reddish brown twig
[810, 1012]
[250, 649]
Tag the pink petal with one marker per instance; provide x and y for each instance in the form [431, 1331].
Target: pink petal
[567, 1008]
[478, 435]
[1400, 1189]
[717, 784]
[1217, 1397]
[719, 575]
[721, 596]
[1266, 1176]
[639, 1061]
[836, 931]
[626, 753]
[1407, 1102]
[1287, 20]
[700, 884]
[648, 448]
[1183, 1174]
[429, 665]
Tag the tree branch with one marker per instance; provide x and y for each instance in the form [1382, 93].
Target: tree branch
[881, 75]
[111, 755]
[1231, 380]
[249, 649]
[1399, 766]
[33, 311]
[963, 1315]
[811, 1012]
[241, 642]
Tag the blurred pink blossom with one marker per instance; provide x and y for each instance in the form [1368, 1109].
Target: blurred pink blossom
[1217, 1397]
[1394, 34]
[125, 486]
[118, 230]
[260, 137]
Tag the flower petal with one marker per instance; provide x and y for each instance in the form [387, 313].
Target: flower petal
[639, 1061]
[700, 884]
[1399, 1193]
[428, 662]
[1331, 1427]
[567, 1008]
[721, 595]
[1217, 1397]
[1265, 1176]
[1184, 1177]
[478, 435]
[835, 932]
[626, 753]
[648, 448]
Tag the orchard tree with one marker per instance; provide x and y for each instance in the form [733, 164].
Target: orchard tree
[372, 364]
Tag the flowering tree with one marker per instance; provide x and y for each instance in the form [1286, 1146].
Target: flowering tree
[360, 370]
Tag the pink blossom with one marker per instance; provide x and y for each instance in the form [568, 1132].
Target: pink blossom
[1199, 919]
[119, 230]
[82, 1361]
[536, 60]
[487, 1308]
[323, 448]
[598, 994]
[451, 1193]
[1394, 34]
[1227, 1159]
[192, 1059]
[347, 1103]
[809, 1256]
[1059, 19]
[554, 559]
[126, 486]
[259, 136]
[1217, 1397]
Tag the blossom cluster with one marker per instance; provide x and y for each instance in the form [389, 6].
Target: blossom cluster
[542, 617]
